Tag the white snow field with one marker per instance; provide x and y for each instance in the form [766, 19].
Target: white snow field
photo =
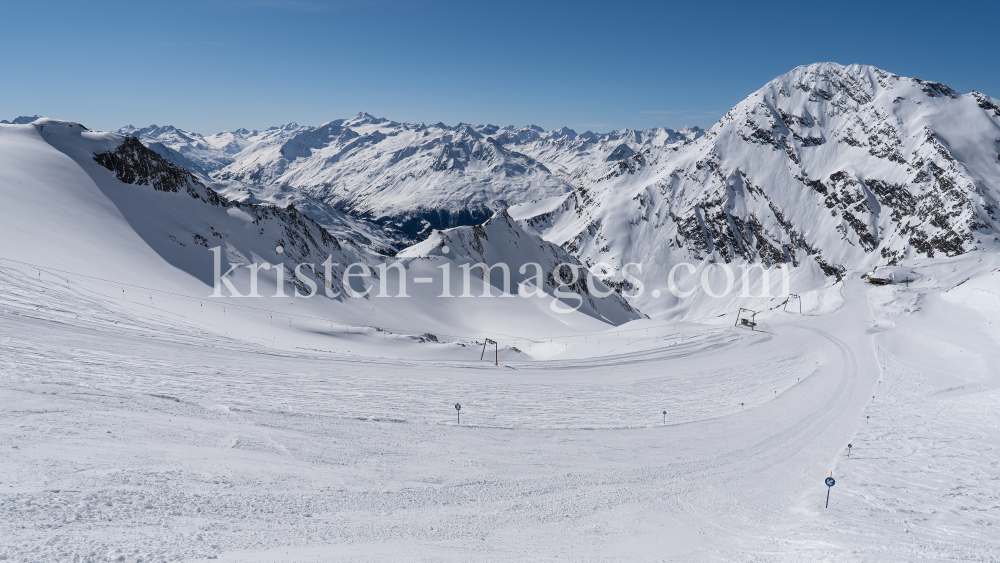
[136, 436]
[146, 421]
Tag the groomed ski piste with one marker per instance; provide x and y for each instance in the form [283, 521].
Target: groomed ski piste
[146, 421]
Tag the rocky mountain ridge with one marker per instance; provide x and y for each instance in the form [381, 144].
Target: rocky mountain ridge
[829, 167]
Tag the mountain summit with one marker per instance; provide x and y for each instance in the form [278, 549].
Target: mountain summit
[828, 166]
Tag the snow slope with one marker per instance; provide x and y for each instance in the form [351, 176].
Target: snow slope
[524, 265]
[367, 234]
[174, 443]
[175, 215]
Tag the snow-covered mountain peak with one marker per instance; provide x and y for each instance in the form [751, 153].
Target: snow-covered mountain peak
[807, 94]
[563, 133]
[365, 118]
[22, 120]
[827, 166]
[690, 132]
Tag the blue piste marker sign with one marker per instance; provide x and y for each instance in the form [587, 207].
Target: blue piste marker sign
[830, 482]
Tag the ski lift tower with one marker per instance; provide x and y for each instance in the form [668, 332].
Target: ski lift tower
[796, 297]
[745, 321]
[496, 348]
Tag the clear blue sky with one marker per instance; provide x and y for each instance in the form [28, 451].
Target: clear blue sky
[222, 64]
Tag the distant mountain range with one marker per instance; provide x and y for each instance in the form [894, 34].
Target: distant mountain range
[824, 169]
[405, 178]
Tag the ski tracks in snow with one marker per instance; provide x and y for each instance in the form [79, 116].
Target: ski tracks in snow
[284, 457]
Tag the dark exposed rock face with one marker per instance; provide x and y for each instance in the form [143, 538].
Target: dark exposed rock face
[133, 163]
